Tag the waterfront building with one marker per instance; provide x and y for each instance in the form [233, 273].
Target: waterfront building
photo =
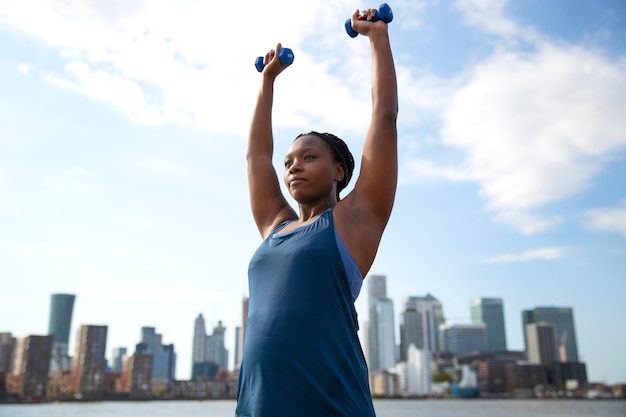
[384, 383]
[540, 343]
[204, 370]
[419, 324]
[216, 351]
[381, 334]
[164, 356]
[60, 387]
[562, 318]
[136, 377]
[208, 348]
[459, 339]
[7, 346]
[31, 364]
[240, 333]
[562, 374]
[238, 347]
[59, 324]
[204, 389]
[89, 365]
[199, 340]
[522, 378]
[490, 311]
[492, 378]
[419, 375]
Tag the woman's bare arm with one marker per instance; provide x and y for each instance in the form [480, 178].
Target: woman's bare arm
[269, 206]
[364, 213]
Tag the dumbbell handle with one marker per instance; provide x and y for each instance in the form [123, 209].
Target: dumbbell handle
[383, 13]
[285, 56]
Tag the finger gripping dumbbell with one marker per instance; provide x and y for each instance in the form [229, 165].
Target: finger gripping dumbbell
[285, 56]
[383, 13]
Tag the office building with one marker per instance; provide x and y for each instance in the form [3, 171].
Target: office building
[199, 340]
[381, 334]
[163, 356]
[215, 349]
[117, 359]
[540, 343]
[490, 311]
[419, 324]
[562, 318]
[89, 364]
[240, 334]
[60, 322]
[460, 339]
[208, 349]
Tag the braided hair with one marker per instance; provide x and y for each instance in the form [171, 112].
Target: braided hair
[341, 153]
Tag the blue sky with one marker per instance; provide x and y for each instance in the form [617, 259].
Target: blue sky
[123, 177]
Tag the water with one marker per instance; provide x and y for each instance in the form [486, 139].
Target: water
[384, 408]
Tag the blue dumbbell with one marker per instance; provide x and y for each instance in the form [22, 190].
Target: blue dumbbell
[285, 56]
[383, 13]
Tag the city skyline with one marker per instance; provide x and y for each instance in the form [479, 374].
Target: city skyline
[123, 173]
[542, 328]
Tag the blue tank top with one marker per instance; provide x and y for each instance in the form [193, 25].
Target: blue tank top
[302, 355]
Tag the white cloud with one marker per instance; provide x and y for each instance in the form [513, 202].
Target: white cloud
[537, 126]
[490, 16]
[608, 219]
[545, 254]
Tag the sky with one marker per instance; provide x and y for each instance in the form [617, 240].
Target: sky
[123, 128]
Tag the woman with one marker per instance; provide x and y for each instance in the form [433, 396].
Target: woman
[302, 355]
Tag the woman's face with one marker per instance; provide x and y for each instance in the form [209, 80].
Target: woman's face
[311, 172]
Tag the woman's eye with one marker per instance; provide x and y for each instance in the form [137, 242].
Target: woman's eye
[287, 164]
[307, 157]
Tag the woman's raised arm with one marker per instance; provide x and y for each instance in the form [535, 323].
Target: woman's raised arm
[269, 206]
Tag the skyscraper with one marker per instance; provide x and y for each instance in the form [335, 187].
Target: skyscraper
[381, 335]
[562, 318]
[490, 311]
[463, 338]
[164, 357]
[419, 324]
[117, 359]
[89, 365]
[540, 343]
[215, 349]
[208, 350]
[60, 321]
[240, 333]
[199, 340]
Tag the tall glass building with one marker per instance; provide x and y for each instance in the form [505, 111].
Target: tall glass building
[60, 321]
[419, 324]
[562, 318]
[460, 339]
[164, 356]
[490, 311]
[380, 332]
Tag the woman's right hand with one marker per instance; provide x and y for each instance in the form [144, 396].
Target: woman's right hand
[273, 66]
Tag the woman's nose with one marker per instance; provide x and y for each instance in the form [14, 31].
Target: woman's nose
[295, 166]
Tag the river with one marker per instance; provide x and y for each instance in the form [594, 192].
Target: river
[384, 408]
